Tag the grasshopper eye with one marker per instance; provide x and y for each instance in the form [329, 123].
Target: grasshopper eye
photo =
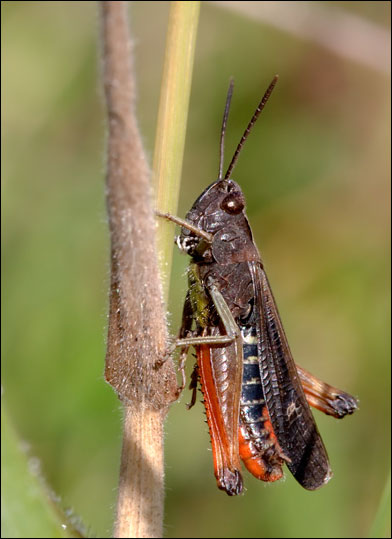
[233, 204]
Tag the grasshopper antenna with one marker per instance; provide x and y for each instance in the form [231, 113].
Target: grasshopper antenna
[250, 125]
[224, 123]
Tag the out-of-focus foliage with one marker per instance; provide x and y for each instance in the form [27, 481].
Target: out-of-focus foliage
[315, 172]
[28, 508]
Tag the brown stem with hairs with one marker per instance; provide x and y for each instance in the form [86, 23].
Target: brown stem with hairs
[137, 334]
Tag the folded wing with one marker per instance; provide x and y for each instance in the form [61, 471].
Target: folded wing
[291, 418]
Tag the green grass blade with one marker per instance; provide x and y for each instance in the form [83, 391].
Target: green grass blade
[27, 508]
[381, 526]
[172, 120]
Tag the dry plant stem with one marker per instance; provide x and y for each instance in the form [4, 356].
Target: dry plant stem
[140, 498]
[137, 334]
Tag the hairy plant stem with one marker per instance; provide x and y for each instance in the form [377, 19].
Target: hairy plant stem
[137, 334]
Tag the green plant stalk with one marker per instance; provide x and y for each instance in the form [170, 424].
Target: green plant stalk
[172, 120]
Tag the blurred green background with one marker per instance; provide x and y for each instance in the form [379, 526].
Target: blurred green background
[316, 176]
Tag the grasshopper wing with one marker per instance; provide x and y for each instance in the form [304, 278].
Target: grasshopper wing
[291, 418]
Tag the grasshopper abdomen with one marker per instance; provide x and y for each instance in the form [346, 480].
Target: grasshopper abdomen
[258, 446]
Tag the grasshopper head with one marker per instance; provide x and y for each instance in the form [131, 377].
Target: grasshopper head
[219, 209]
